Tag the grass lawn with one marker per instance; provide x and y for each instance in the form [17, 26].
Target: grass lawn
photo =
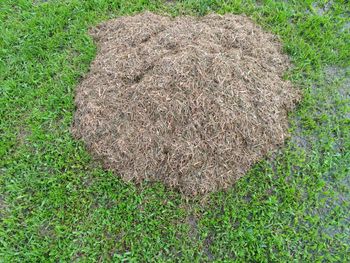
[57, 204]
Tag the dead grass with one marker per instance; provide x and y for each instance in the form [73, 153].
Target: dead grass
[191, 102]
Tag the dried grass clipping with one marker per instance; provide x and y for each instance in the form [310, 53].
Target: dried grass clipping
[191, 102]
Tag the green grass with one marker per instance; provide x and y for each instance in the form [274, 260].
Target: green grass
[57, 204]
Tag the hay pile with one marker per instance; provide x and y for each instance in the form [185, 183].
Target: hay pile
[191, 102]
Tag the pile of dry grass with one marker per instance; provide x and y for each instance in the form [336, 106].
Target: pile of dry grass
[191, 102]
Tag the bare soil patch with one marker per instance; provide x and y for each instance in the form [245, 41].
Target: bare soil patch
[191, 102]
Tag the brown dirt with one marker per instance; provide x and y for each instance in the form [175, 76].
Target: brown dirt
[191, 102]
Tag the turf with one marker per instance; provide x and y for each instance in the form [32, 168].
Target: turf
[56, 203]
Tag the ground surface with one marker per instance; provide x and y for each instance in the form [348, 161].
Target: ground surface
[55, 203]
